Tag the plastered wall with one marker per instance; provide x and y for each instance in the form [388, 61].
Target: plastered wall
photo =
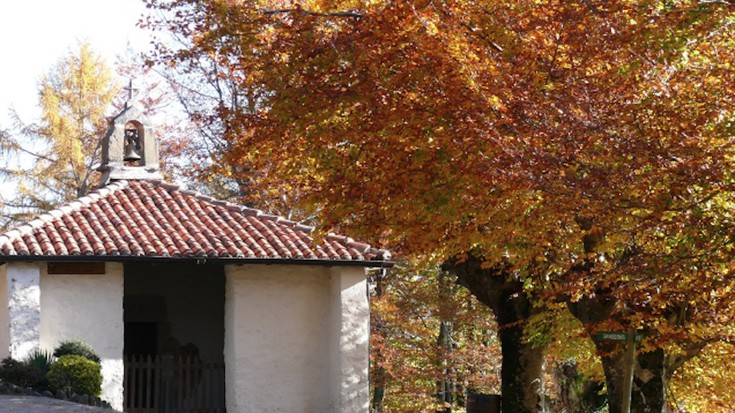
[276, 337]
[291, 344]
[4, 320]
[349, 358]
[24, 311]
[88, 308]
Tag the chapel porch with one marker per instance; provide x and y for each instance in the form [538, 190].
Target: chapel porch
[174, 338]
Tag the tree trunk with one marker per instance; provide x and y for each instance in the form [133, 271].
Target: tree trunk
[649, 381]
[521, 374]
[445, 386]
[379, 379]
[650, 372]
[521, 371]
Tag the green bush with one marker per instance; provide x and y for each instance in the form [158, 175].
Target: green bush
[21, 373]
[76, 374]
[41, 359]
[76, 348]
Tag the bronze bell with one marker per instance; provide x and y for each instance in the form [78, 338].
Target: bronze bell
[131, 155]
[131, 146]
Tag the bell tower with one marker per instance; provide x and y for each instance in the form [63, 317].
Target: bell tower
[129, 148]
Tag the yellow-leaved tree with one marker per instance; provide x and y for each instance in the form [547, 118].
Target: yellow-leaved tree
[52, 160]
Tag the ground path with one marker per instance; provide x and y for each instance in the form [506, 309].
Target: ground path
[34, 404]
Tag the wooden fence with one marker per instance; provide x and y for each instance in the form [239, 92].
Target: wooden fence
[171, 384]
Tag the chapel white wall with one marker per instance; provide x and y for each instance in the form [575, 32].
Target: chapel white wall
[24, 310]
[291, 343]
[350, 337]
[276, 330]
[4, 318]
[88, 307]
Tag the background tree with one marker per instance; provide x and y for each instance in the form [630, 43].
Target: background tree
[703, 384]
[431, 343]
[569, 152]
[53, 160]
[205, 90]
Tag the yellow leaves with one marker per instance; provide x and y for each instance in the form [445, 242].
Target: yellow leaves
[496, 103]
[431, 28]
[74, 96]
[704, 384]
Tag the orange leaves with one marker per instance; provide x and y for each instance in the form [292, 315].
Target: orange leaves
[438, 128]
[426, 329]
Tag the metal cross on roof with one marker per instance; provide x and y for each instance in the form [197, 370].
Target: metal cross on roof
[130, 90]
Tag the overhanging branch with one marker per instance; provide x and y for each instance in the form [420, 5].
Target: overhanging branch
[349, 14]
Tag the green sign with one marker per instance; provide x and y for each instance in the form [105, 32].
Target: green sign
[615, 336]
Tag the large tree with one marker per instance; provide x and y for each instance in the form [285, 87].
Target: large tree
[561, 151]
[53, 160]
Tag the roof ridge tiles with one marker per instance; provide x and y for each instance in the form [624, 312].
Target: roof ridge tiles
[191, 192]
[169, 186]
[360, 246]
[335, 237]
[251, 212]
[304, 227]
[285, 221]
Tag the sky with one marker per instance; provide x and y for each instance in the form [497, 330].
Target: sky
[35, 34]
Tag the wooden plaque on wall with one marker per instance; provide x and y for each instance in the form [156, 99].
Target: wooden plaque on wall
[76, 268]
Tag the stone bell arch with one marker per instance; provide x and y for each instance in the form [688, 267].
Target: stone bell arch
[130, 148]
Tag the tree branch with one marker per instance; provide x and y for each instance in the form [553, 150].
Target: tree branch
[349, 14]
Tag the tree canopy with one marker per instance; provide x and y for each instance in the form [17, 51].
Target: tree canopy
[582, 150]
[53, 159]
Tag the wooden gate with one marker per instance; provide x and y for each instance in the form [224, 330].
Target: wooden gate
[173, 384]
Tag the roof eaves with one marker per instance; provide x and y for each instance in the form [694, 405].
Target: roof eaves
[374, 263]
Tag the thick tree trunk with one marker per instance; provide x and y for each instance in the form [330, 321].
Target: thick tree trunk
[650, 370]
[649, 382]
[521, 374]
[521, 371]
[649, 374]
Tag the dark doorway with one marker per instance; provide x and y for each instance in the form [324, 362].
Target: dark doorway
[140, 338]
[174, 337]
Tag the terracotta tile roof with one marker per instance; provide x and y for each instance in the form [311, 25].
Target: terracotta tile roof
[154, 219]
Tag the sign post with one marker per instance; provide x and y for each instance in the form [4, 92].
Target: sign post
[630, 359]
[630, 339]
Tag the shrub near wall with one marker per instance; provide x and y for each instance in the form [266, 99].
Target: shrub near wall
[21, 373]
[77, 348]
[76, 374]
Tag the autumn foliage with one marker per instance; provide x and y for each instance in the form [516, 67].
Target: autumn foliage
[431, 342]
[585, 146]
[53, 159]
